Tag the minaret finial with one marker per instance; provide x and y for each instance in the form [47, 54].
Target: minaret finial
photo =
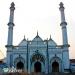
[61, 5]
[12, 4]
[12, 7]
[61, 8]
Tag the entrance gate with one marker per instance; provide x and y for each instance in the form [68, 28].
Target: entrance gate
[37, 67]
[55, 67]
[37, 63]
[20, 65]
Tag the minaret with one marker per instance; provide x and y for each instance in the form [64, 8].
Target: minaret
[63, 24]
[66, 63]
[10, 25]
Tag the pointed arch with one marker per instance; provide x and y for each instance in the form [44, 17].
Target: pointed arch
[19, 63]
[37, 59]
[55, 64]
[37, 56]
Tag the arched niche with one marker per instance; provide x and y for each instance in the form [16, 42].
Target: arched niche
[19, 62]
[55, 64]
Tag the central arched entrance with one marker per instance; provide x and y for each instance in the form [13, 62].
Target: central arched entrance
[37, 67]
[55, 67]
[37, 63]
[20, 65]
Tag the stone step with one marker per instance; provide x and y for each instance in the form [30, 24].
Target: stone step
[23, 73]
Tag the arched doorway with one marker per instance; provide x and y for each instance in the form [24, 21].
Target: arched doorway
[37, 63]
[20, 65]
[37, 67]
[55, 66]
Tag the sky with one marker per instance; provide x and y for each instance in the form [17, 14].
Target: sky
[31, 16]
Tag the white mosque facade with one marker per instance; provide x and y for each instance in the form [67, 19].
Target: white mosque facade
[38, 55]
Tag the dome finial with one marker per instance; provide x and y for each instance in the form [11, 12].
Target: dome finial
[50, 36]
[24, 37]
[37, 32]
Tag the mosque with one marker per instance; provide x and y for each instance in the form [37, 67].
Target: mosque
[38, 55]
